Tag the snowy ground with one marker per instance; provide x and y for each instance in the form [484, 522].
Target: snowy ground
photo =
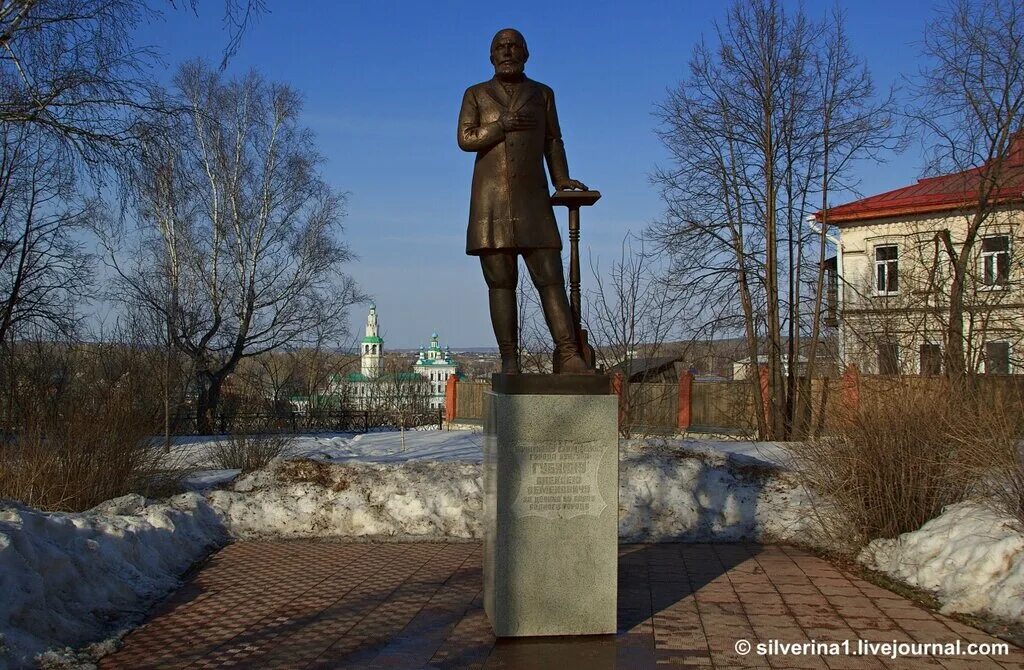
[69, 578]
[969, 557]
[435, 445]
[373, 447]
[662, 496]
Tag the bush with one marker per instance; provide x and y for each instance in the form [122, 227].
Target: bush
[1002, 484]
[988, 437]
[77, 438]
[892, 467]
[247, 452]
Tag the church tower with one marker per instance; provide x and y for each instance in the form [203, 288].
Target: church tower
[435, 365]
[372, 347]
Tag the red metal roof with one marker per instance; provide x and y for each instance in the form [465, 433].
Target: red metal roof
[936, 194]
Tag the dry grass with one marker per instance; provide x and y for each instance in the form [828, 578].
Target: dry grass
[988, 439]
[85, 452]
[247, 452]
[894, 466]
[1002, 484]
[79, 421]
[315, 472]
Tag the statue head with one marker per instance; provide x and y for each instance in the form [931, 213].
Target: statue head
[509, 53]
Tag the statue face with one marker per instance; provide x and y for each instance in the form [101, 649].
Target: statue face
[508, 53]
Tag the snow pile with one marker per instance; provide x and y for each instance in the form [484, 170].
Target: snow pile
[734, 452]
[69, 578]
[193, 452]
[970, 557]
[663, 496]
[387, 446]
[308, 498]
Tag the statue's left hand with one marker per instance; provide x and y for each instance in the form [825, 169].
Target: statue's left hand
[570, 185]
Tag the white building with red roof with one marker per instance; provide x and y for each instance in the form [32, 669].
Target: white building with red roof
[892, 273]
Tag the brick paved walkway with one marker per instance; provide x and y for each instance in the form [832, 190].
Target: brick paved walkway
[330, 605]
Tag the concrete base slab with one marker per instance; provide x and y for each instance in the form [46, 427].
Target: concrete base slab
[551, 483]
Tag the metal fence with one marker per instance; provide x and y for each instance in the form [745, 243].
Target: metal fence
[358, 421]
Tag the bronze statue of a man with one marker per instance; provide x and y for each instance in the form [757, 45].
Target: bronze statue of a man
[511, 124]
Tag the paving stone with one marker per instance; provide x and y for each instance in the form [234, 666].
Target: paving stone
[301, 604]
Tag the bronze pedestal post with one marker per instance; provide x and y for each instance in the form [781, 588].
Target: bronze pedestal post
[573, 200]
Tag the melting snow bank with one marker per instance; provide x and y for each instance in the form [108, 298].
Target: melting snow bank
[971, 558]
[306, 498]
[66, 579]
[662, 497]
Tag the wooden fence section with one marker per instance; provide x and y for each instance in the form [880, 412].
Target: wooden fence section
[650, 407]
[729, 406]
[1002, 392]
[471, 403]
[723, 405]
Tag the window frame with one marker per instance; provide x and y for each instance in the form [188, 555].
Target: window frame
[886, 263]
[985, 255]
[894, 347]
[1009, 357]
[936, 350]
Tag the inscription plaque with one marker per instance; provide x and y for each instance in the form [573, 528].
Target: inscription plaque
[559, 479]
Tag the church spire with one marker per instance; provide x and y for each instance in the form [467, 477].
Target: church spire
[372, 346]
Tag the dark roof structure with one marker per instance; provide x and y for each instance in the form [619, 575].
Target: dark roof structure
[643, 369]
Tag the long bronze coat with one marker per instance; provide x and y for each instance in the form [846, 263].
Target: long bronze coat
[510, 206]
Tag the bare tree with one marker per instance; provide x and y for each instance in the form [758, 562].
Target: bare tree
[239, 248]
[969, 105]
[771, 116]
[852, 126]
[630, 316]
[71, 68]
[44, 269]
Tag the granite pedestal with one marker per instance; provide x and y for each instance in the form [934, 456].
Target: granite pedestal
[551, 483]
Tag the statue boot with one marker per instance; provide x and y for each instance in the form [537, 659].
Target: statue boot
[506, 329]
[560, 323]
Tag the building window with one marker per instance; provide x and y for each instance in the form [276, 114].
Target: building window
[995, 260]
[931, 359]
[887, 279]
[888, 358]
[997, 358]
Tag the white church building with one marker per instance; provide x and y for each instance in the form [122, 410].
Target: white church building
[435, 366]
[373, 388]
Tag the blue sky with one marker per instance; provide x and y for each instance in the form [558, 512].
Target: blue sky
[383, 82]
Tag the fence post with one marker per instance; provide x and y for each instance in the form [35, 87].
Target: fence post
[766, 406]
[223, 424]
[617, 382]
[451, 397]
[295, 423]
[849, 385]
[366, 421]
[685, 415]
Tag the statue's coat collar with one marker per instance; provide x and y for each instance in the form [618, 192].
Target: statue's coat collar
[524, 91]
